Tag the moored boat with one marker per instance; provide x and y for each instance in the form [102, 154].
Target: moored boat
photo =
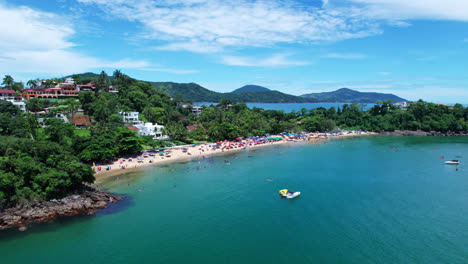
[452, 162]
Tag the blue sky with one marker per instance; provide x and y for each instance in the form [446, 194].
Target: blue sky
[414, 49]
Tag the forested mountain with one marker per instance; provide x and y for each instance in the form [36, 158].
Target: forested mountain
[345, 95]
[251, 88]
[258, 94]
[196, 93]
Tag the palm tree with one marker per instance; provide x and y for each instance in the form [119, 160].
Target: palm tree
[48, 83]
[34, 105]
[117, 74]
[8, 80]
[72, 106]
[32, 83]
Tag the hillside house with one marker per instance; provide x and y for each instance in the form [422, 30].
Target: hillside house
[82, 121]
[112, 89]
[196, 110]
[130, 117]
[10, 96]
[150, 129]
[85, 87]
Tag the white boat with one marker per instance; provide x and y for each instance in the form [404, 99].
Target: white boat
[293, 195]
[288, 194]
[452, 162]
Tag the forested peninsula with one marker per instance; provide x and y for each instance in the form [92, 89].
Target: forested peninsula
[46, 155]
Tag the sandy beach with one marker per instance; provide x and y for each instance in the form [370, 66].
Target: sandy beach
[201, 151]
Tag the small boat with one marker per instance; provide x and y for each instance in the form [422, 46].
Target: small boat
[452, 162]
[288, 194]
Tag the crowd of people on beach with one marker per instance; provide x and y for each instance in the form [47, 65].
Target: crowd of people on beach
[202, 150]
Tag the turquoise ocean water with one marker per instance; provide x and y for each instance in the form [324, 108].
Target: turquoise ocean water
[290, 107]
[361, 202]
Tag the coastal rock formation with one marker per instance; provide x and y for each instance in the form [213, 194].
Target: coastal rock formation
[88, 202]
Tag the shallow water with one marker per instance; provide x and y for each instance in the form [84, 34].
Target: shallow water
[361, 202]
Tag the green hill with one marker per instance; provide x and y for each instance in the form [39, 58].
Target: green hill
[196, 93]
[251, 88]
[258, 94]
[345, 95]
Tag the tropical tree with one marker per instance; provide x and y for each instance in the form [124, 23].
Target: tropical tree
[103, 81]
[34, 105]
[48, 83]
[72, 106]
[8, 80]
[117, 74]
[17, 86]
[32, 83]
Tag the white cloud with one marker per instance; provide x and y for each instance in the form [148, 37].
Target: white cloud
[275, 61]
[206, 26]
[169, 70]
[346, 56]
[415, 9]
[61, 62]
[39, 42]
[385, 73]
[26, 29]
[193, 46]
[210, 26]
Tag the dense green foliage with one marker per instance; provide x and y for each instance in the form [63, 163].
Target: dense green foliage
[38, 170]
[345, 95]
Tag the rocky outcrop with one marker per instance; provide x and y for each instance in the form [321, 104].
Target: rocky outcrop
[422, 133]
[87, 202]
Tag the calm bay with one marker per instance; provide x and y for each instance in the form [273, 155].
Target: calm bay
[376, 199]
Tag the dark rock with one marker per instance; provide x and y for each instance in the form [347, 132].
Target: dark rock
[88, 201]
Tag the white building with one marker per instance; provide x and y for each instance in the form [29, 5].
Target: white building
[69, 80]
[196, 110]
[130, 117]
[150, 129]
[112, 89]
[10, 96]
[403, 105]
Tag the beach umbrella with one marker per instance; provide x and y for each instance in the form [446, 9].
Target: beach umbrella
[168, 151]
[140, 158]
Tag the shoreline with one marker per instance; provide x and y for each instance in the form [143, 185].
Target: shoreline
[201, 151]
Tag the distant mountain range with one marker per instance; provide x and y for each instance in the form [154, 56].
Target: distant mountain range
[258, 94]
[246, 94]
[345, 95]
[251, 88]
